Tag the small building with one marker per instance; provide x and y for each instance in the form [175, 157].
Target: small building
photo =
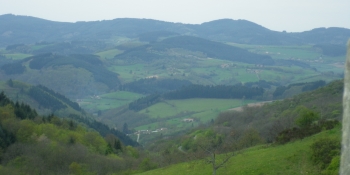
[188, 120]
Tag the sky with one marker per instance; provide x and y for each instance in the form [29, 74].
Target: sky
[278, 15]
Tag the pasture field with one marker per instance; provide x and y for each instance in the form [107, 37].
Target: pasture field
[108, 54]
[108, 101]
[214, 71]
[17, 56]
[303, 52]
[170, 113]
[169, 108]
[291, 158]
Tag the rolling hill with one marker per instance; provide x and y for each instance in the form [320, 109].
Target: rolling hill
[83, 74]
[25, 29]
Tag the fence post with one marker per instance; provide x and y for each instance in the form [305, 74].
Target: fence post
[345, 156]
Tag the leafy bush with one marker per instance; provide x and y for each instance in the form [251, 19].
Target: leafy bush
[306, 117]
[294, 133]
[324, 150]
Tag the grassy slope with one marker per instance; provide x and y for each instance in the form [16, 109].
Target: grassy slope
[292, 158]
[108, 101]
[108, 54]
[175, 110]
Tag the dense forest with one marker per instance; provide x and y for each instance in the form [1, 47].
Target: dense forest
[210, 48]
[33, 144]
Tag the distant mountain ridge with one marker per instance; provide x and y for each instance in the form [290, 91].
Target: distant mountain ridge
[23, 29]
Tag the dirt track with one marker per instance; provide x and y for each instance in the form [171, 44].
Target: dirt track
[239, 109]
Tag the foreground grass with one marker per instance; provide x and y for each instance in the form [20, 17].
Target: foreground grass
[292, 158]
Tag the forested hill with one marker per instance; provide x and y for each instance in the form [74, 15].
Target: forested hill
[88, 69]
[34, 144]
[211, 49]
[13, 28]
[46, 102]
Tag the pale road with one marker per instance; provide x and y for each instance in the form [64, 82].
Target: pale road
[239, 109]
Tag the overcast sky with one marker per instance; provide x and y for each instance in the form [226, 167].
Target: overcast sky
[279, 15]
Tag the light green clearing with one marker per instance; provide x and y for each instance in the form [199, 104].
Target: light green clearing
[108, 101]
[17, 56]
[170, 113]
[173, 107]
[108, 54]
[304, 52]
[292, 158]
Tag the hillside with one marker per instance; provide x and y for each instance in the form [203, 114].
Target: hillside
[194, 44]
[34, 144]
[238, 31]
[83, 74]
[47, 102]
[291, 158]
[284, 143]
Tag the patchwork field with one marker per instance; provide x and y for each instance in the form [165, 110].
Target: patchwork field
[107, 101]
[171, 113]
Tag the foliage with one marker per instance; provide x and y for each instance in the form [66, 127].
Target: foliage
[85, 61]
[155, 36]
[307, 86]
[306, 116]
[294, 133]
[45, 99]
[147, 165]
[272, 118]
[210, 48]
[60, 97]
[333, 167]
[324, 150]
[103, 129]
[332, 49]
[13, 68]
[290, 158]
[50, 145]
[144, 102]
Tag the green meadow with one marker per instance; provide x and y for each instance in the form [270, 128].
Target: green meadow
[108, 54]
[17, 56]
[171, 112]
[108, 101]
[289, 159]
[173, 107]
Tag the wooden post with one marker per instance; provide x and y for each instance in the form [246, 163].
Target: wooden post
[345, 156]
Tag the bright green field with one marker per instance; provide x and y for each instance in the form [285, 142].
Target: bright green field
[108, 101]
[289, 159]
[108, 54]
[172, 112]
[17, 56]
[198, 105]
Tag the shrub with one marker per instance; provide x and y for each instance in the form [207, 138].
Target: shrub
[324, 150]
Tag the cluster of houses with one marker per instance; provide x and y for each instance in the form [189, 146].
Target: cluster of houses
[150, 131]
[160, 129]
[255, 71]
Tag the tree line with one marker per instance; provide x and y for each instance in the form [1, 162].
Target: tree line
[199, 91]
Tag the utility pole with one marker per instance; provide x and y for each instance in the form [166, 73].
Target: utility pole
[345, 156]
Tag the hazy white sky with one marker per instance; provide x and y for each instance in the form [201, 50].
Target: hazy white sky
[289, 15]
